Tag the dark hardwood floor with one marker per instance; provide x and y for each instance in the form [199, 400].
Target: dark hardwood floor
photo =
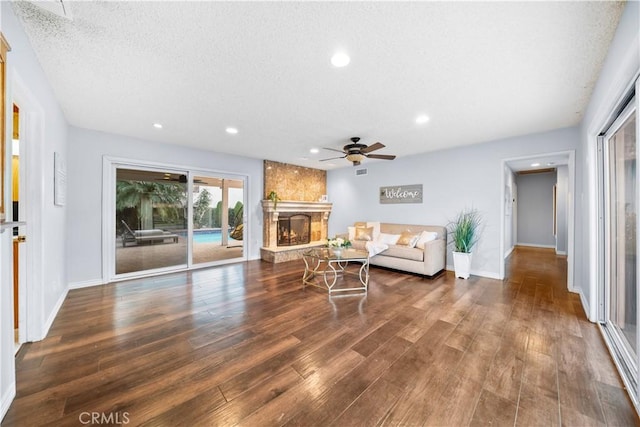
[245, 345]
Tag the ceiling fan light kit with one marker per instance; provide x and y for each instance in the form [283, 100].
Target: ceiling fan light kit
[356, 152]
[355, 157]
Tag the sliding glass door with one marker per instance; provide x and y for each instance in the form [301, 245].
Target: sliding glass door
[166, 220]
[150, 220]
[218, 219]
[620, 291]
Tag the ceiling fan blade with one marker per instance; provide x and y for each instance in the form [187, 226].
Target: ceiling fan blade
[381, 156]
[373, 147]
[333, 149]
[333, 158]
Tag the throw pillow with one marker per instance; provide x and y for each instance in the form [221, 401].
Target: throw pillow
[388, 239]
[352, 233]
[376, 229]
[364, 233]
[407, 238]
[426, 236]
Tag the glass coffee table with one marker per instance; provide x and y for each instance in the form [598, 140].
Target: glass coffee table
[329, 263]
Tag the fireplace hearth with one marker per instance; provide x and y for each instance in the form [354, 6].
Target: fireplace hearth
[294, 229]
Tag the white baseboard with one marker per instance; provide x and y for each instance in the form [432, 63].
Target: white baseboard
[481, 273]
[53, 314]
[508, 252]
[533, 245]
[86, 284]
[585, 303]
[7, 398]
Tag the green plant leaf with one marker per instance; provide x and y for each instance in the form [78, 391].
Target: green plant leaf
[464, 230]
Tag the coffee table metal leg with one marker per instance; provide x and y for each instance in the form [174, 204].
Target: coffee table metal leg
[365, 269]
[308, 272]
[335, 276]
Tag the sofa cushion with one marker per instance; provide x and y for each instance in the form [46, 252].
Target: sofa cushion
[426, 236]
[359, 244]
[352, 233]
[376, 229]
[388, 239]
[364, 233]
[407, 238]
[400, 251]
[147, 233]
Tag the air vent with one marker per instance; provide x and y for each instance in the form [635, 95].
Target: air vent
[361, 172]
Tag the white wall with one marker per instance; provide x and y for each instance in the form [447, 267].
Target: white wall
[562, 205]
[621, 65]
[86, 151]
[46, 229]
[452, 180]
[535, 213]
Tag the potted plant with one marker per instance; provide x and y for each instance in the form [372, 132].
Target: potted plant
[273, 196]
[464, 231]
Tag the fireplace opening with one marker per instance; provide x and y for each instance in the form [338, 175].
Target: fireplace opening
[294, 229]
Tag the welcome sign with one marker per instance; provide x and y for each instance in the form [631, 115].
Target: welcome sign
[401, 194]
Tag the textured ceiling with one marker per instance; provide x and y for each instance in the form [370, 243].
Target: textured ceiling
[479, 70]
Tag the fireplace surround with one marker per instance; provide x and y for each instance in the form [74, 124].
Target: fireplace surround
[318, 213]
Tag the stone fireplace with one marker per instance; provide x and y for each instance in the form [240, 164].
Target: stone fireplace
[299, 190]
[316, 212]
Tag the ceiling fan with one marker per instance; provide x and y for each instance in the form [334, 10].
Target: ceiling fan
[355, 152]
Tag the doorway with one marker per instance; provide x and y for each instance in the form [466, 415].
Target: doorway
[19, 237]
[558, 161]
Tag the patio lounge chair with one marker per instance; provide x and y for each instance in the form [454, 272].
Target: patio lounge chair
[146, 236]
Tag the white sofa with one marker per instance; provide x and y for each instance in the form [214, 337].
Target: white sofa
[427, 261]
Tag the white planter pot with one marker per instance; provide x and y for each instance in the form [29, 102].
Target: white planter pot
[462, 264]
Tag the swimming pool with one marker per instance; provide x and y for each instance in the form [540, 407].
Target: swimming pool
[207, 236]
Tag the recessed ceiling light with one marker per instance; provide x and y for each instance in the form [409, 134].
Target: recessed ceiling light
[232, 131]
[340, 59]
[157, 125]
[314, 151]
[535, 165]
[423, 118]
